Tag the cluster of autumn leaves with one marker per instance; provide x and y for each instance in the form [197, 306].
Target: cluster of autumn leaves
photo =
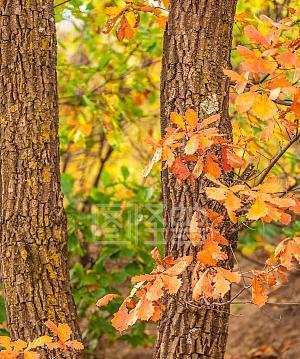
[210, 281]
[21, 349]
[269, 76]
[266, 93]
[128, 17]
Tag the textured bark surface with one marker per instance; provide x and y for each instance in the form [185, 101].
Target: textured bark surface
[33, 244]
[196, 49]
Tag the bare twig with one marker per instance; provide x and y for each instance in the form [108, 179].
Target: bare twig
[277, 158]
[62, 3]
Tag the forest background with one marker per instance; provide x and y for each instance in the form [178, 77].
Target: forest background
[109, 104]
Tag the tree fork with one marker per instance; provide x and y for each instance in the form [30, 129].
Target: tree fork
[33, 242]
[197, 47]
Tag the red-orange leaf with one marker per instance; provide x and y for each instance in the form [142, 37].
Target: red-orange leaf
[179, 169]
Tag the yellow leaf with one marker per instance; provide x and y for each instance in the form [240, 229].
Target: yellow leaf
[263, 107]
[258, 210]
[216, 193]
[113, 10]
[198, 169]
[39, 342]
[5, 342]
[131, 19]
[19, 345]
[232, 202]
[64, 332]
[177, 120]
[191, 118]
[31, 355]
[166, 3]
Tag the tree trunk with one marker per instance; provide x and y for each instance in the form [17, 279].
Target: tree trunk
[197, 48]
[33, 252]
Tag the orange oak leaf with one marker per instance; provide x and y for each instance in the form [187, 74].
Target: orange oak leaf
[259, 292]
[245, 101]
[232, 277]
[221, 285]
[120, 319]
[145, 310]
[203, 286]
[230, 160]
[179, 169]
[191, 118]
[211, 253]
[106, 299]
[287, 251]
[155, 292]
[255, 36]
[171, 283]
[212, 167]
[198, 169]
[192, 145]
[195, 235]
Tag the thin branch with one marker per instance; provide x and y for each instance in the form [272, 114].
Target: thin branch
[277, 158]
[62, 3]
[271, 303]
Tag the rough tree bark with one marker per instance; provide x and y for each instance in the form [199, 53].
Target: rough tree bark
[33, 244]
[197, 47]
